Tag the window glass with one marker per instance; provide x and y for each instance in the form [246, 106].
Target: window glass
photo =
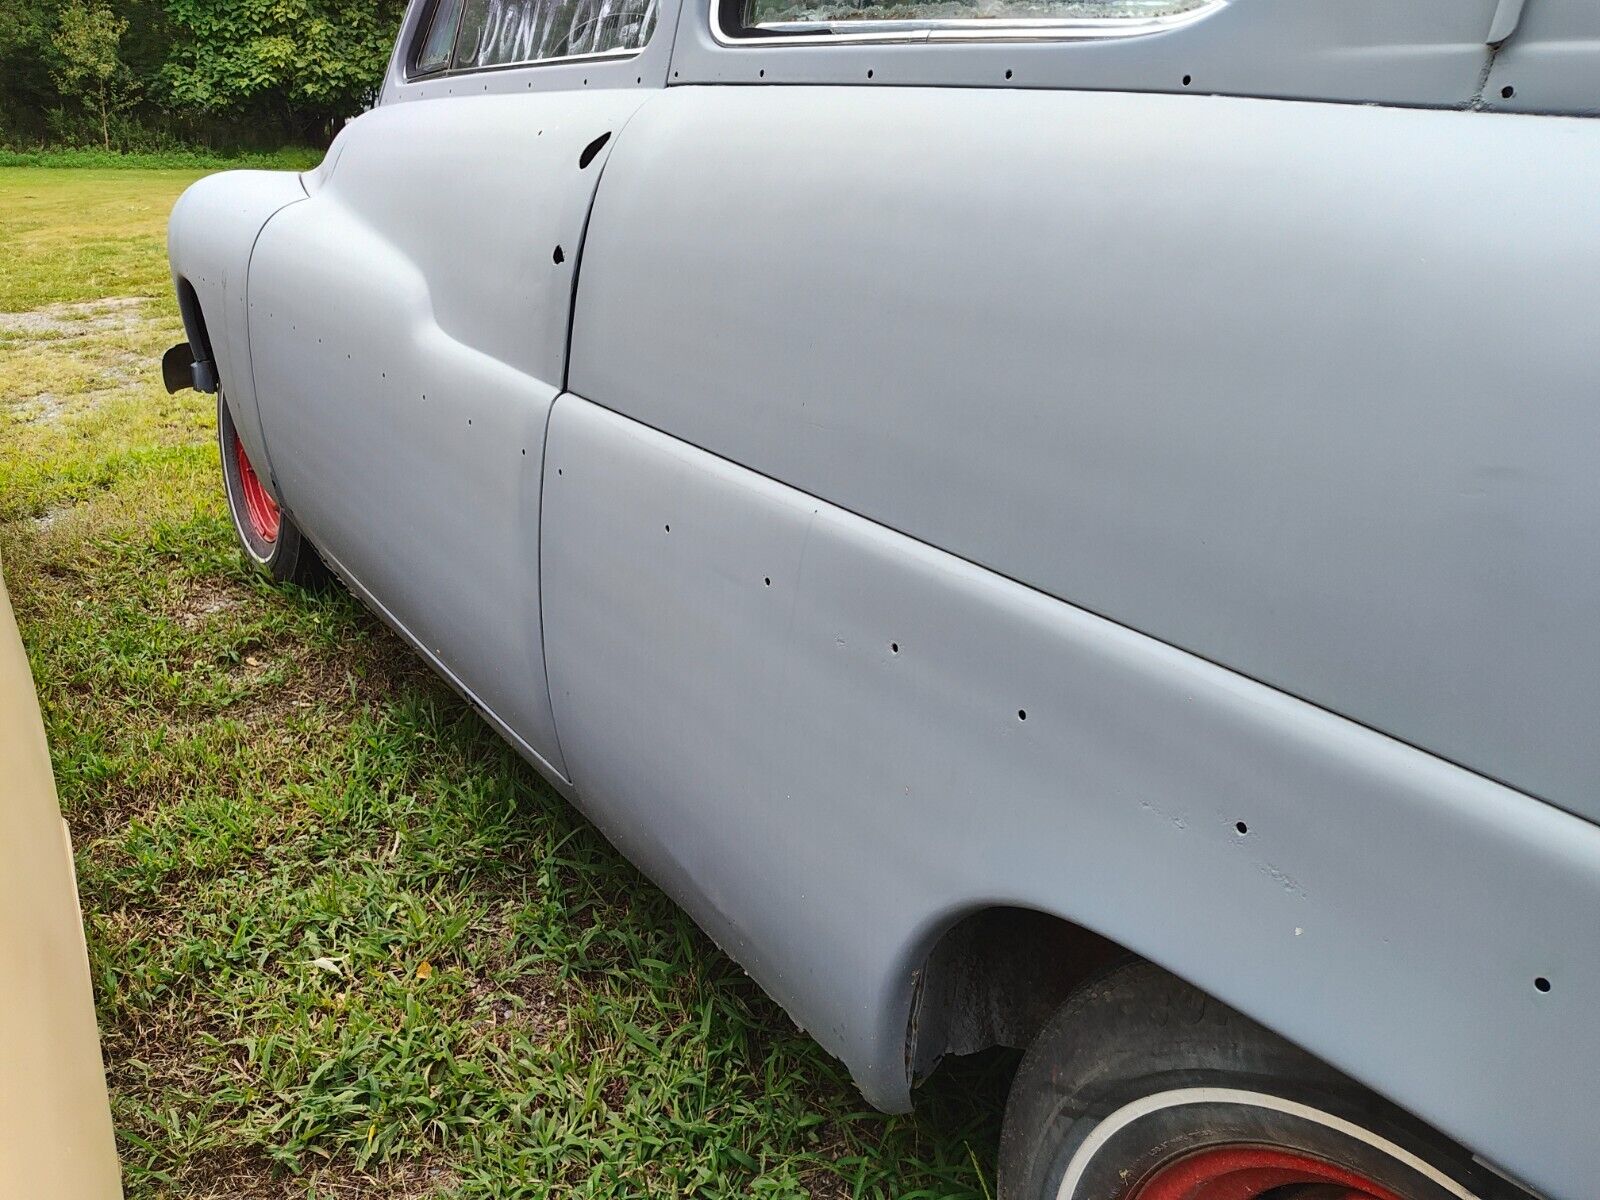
[787, 14]
[434, 52]
[499, 32]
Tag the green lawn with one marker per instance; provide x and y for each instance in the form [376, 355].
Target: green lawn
[344, 942]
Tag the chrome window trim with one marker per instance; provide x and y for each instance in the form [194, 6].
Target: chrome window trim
[924, 32]
[599, 56]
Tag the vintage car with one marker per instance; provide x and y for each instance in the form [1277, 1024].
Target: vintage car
[1070, 524]
[55, 1122]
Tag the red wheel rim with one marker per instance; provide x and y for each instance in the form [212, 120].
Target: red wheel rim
[260, 509]
[1253, 1172]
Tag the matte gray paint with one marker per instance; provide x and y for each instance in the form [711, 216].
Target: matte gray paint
[410, 326]
[1303, 389]
[1552, 64]
[823, 805]
[827, 805]
[210, 237]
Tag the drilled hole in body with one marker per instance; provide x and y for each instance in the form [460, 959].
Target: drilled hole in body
[1187, 79]
[1241, 828]
[558, 256]
[1542, 984]
[1507, 92]
[1022, 714]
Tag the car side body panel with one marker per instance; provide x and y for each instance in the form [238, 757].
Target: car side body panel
[1172, 512]
[1307, 390]
[829, 768]
[410, 325]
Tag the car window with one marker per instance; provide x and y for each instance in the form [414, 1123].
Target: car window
[820, 16]
[433, 52]
[501, 32]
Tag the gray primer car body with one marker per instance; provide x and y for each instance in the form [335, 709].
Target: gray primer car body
[1064, 491]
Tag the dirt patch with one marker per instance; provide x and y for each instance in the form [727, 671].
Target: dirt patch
[202, 600]
[74, 320]
[46, 407]
[240, 1176]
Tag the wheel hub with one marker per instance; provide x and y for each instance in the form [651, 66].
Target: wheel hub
[1239, 1172]
[261, 510]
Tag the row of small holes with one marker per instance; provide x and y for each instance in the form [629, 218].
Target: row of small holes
[1240, 827]
[1010, 73]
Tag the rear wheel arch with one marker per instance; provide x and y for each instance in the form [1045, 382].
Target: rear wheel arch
[992, 977]
[1144, 1087]
[1004, 976]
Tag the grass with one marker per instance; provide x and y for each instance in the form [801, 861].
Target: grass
[344, 942]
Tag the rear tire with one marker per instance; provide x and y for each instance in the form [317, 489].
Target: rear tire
[1141, 1087]
[270, 540]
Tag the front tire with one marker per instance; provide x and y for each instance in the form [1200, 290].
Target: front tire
[270, 540]
[1141, 1087]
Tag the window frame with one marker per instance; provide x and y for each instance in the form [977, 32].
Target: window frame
[419, 35]
[724, 17]
[423, 32]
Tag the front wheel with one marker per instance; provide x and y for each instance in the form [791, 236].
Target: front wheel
[269, 538]
[1143, 1088]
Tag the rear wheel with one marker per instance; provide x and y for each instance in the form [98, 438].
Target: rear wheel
[269, 538]
[1143, 1088]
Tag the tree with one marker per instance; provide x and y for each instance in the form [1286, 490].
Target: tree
[88, 41]
[300, 64]
[26, 86]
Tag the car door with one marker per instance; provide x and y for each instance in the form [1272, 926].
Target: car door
[409, 321]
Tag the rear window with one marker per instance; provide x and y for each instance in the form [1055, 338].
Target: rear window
[759, 17]
[464, 35]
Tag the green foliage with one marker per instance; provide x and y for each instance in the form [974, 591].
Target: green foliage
[289, 158]
[320, 59]
[166, 75]
[88, 44]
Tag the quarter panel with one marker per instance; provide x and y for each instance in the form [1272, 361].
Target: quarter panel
[1305, 389]
[828, 767]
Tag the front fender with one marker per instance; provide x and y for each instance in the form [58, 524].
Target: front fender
[210, 238]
